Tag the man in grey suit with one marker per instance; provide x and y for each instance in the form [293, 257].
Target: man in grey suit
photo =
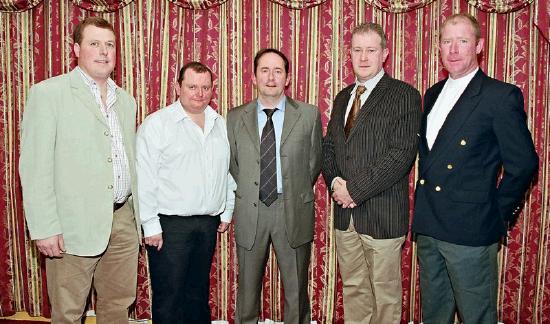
[368, 151]
[77, 173]
[275, 159]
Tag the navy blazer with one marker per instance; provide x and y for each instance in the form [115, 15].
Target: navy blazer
[457, 197]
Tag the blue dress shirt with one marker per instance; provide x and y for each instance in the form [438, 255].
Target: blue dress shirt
[278, 120]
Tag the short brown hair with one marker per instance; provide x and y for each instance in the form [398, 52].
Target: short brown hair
[465, 17]
[264, 51]
[195, 66]
[90, 21]
[371, 27]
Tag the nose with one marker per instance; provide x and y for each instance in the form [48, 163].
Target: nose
[364, 55]
[454, 47]
[102, 49]
[199, 92]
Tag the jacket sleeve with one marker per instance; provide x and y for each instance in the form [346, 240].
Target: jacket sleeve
[328, 162]
[36, 163]
[519, 159]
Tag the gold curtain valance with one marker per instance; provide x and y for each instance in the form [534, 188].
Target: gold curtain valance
[499, 6]
[398, 5]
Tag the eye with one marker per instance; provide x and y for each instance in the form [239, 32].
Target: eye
[94, 44]
[111, 45]
[205, 88]
[192, 87]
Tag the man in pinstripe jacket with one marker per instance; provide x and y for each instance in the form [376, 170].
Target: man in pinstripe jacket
[368, 151]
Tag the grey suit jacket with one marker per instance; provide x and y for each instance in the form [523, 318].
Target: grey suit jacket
[300, 153]
[376, 158]
[66, 173]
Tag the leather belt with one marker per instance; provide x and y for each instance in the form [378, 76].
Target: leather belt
[117, 206]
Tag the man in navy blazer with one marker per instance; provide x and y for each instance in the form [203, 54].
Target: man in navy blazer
[473, 126]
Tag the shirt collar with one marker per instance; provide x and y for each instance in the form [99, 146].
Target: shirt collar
[370, 83]
[111, 85]
[463, 81]
[281, 105]
[180, 113]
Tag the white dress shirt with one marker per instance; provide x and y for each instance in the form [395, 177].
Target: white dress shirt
[122, 186]
[452, 90]
[278, 119]
[182, 169]
[369, 85]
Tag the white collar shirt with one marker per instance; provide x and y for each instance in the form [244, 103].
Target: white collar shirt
[370, 84]
[182, 169]
[122, 184]
[452, 90]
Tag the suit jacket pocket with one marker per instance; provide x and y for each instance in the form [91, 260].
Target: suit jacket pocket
[470, 196]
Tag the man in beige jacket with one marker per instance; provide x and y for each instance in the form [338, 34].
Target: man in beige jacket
[77, 174]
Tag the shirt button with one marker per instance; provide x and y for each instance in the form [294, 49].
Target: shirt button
[437, 188]
[254, 204]
[463, 142]
[110, 187]
[449, 166]
[109, 160]
[106, 133]
[256, 183]
[422, 181]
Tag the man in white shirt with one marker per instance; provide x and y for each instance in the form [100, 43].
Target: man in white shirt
[186, 196]
[472, 127]
[368, 151]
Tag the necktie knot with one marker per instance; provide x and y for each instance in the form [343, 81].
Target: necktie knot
[360, 90]
[269, 112]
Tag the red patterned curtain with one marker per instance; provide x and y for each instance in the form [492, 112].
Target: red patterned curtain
[156, 37]
[17, 5]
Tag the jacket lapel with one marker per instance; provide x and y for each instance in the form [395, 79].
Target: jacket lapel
[458, 115]
[292, 114]
[372, 101]
[250, 121]
[81, 91]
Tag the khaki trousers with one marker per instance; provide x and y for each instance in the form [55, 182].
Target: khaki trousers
[371, 276]
[113, 275]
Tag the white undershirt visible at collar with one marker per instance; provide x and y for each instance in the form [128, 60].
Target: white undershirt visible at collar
[451, 92]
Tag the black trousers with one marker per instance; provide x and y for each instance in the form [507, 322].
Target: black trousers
[180, 271]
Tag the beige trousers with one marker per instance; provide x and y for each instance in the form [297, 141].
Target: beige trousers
[371, 276]
[113, 274]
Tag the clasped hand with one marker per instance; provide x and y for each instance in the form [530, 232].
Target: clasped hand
[341, 195]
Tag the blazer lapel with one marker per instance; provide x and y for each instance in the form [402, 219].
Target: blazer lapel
[292, 114]
[250, 121]
[83, 94]
[465, 105]
[372, 101]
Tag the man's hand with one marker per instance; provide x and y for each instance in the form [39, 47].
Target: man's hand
[155, 240]
[341, 195]
[223, 227]
[52, 247]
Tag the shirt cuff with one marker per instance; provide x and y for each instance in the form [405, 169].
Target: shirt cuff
[226, 216]
[333, 181]
[151, 228]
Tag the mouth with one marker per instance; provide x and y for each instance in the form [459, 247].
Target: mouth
[102, 61]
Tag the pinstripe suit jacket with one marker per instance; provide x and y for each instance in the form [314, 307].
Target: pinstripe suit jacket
[376, 158]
